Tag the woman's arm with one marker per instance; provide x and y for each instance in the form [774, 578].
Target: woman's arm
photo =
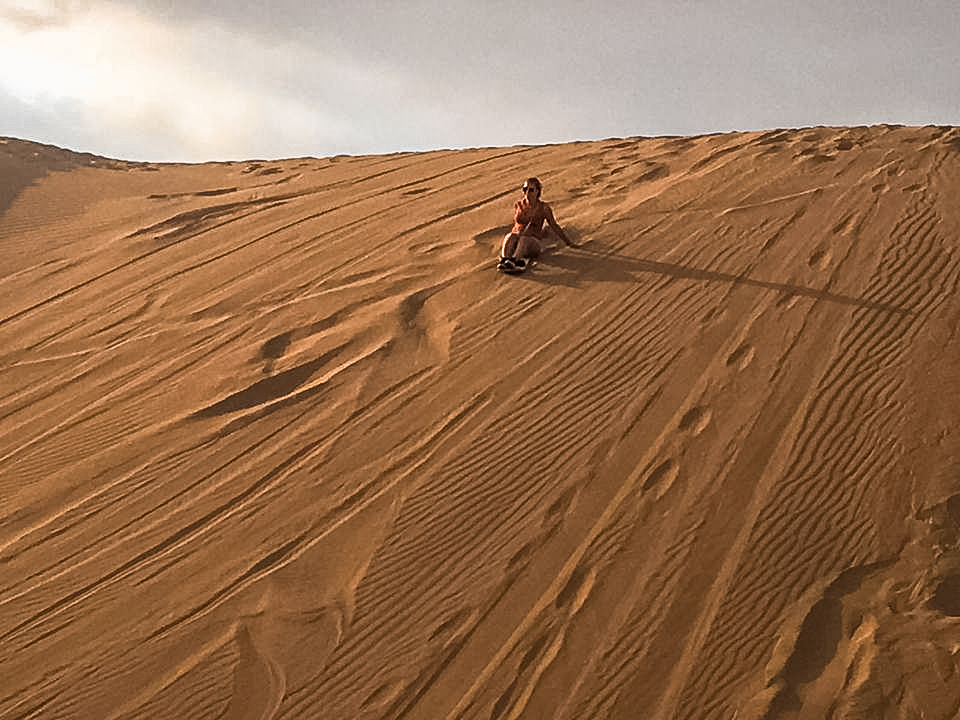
[518, 213]
[555, 226]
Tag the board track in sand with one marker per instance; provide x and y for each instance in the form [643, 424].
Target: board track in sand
[276, 441]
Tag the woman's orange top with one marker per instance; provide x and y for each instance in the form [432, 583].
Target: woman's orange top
[524, 214]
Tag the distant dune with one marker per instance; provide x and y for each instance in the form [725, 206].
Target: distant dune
[277, 440]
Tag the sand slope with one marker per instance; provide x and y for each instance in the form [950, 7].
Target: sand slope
[276, 440]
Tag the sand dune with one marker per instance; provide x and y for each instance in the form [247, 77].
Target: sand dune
[277, 441]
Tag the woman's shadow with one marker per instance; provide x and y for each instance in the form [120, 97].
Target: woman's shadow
[588, 262]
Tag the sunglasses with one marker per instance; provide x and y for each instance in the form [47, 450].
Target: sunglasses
[530, 188]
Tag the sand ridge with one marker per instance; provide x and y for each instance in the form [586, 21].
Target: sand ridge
[277, 441]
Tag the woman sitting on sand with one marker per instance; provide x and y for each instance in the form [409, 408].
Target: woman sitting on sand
[526, 239]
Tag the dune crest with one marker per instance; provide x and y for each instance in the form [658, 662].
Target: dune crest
[277, 441]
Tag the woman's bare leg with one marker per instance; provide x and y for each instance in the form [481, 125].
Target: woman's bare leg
[509, 247]
[528, 247]
[520, 246]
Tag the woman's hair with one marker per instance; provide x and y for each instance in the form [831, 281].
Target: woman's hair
[536, 182]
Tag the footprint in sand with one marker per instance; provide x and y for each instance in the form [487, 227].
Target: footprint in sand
[695, 420]
[656, 171]
[787, 300]
[819, 259]
[662, 476]
[741, 357]
[575, 592]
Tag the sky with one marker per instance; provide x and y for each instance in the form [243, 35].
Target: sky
[197, 80]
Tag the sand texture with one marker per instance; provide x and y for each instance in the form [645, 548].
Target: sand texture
[277, 440]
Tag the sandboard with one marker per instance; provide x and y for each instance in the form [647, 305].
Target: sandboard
[515, 270]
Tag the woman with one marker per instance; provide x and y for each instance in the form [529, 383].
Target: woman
[526, 239]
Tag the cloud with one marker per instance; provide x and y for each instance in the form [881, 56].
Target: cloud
[203, 89]
[206, 79]
[24, 120]
[30, 15]
[197, 86]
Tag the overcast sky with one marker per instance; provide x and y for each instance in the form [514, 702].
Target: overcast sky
[236, 79]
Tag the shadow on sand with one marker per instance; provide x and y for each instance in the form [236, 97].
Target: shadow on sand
[578, 265]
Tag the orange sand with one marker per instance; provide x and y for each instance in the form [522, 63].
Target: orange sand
[277, 441]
